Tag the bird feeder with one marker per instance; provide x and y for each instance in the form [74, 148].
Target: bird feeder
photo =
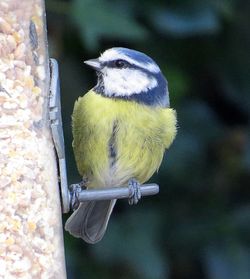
[31, 242]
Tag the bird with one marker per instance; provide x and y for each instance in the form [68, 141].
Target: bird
[121, 129]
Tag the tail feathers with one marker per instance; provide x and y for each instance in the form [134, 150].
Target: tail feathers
[90, 220]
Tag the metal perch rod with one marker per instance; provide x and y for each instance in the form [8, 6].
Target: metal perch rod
[116, 193]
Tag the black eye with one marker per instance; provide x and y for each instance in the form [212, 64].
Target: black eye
[120, 64]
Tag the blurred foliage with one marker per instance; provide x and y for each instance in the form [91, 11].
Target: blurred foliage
[199, 224]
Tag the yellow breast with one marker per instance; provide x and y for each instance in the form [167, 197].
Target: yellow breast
[115, 140]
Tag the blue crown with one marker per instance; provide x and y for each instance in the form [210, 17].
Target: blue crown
[135, 55]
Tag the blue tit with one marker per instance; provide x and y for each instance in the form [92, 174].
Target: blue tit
[121, 129]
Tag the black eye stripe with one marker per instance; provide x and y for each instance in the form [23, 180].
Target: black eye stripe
[111, 64]
[119, 64]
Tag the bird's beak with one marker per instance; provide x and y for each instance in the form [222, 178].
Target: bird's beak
[94, 63]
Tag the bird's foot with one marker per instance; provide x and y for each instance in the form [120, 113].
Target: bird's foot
[75, 189]
[135, 189]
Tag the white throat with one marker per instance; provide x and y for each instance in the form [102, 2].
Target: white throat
[126, 81]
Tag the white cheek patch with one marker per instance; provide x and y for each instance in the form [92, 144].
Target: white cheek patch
[125, 82]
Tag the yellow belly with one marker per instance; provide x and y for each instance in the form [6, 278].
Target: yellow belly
[115, 140]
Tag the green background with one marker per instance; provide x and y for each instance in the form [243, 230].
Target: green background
[199, 224]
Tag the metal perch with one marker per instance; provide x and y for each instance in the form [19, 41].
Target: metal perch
[116, 193]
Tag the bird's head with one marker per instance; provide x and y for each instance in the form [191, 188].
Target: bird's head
[131, 75]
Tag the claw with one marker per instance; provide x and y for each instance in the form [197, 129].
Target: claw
[135, 190]
[75, 189]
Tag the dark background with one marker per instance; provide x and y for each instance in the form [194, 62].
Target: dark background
[199, 224]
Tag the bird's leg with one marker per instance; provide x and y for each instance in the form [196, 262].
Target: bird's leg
[134, 187]
[75, 189]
